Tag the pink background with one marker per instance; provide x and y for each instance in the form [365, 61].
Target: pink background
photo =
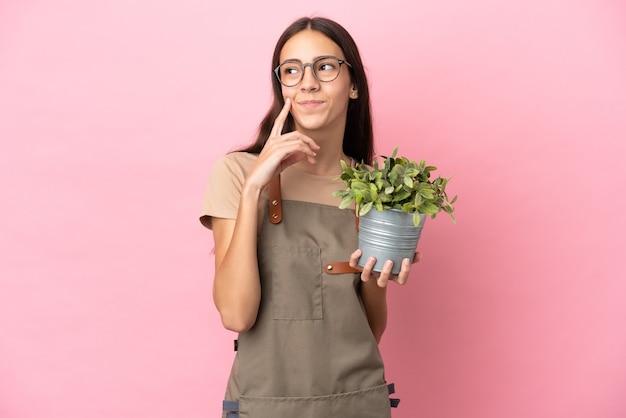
[112, 112]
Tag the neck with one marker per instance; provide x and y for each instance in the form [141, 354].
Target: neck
[330, 153]
[327, 159]
[327, 162]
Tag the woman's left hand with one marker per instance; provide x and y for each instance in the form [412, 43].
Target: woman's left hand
[385, 275]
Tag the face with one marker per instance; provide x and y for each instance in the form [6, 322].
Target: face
[317, 106]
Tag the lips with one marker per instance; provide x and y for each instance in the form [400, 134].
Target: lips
[310, 103]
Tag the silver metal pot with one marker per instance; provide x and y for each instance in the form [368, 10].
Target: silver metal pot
[388, 235]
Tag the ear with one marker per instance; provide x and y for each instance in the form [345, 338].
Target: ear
[354, 92]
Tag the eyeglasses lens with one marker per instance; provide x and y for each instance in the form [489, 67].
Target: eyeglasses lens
[324, 69]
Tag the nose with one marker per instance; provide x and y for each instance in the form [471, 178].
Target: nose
[309, 81]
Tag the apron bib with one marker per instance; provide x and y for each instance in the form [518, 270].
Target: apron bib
[311, 353]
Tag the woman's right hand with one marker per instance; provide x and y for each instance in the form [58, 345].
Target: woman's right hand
[281, 151]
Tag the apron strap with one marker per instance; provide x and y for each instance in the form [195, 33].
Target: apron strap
[342, 267]
[276, 203]
[231, 408]
[394, 402]
[339, 267]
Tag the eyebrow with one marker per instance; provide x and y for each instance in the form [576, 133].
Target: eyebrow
[315, 58]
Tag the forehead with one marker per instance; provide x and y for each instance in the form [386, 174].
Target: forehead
[308, 45]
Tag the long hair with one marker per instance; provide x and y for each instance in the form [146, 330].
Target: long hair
[358, 139]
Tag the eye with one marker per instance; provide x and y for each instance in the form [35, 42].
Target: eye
[327, 65]
[290, 69]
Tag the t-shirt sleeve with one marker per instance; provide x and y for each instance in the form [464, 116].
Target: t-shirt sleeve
[223, 191]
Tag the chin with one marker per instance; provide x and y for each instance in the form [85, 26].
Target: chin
[310, 124]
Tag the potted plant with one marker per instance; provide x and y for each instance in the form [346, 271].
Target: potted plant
[403, 195]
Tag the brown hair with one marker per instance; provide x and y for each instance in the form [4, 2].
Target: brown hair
[358, 140]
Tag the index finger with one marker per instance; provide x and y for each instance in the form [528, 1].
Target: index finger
[279, 123]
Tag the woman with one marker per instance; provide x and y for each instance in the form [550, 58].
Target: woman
[308, 325]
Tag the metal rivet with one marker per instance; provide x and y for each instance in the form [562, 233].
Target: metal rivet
[275, 202]
[275, 216]
[329, 267]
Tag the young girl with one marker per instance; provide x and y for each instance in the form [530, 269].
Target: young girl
[286, 276]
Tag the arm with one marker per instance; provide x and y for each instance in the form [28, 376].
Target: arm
[375, 302]
[236, 287]
[373, 289]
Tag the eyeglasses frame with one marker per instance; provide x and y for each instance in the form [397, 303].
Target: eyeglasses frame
[310, 64]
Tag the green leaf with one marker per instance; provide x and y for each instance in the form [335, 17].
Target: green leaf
[359, 185]
[346, 202]
[429, 209]
[427, 193]
[408, 207]
[373, 192]
[411, 172]
[418, 201]
[393, 177]
[365, 208]
[401, 196]
[385, 197]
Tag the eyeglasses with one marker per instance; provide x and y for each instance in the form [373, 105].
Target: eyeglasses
[324, 69]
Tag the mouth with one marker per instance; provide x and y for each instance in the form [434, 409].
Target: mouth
[310, 103]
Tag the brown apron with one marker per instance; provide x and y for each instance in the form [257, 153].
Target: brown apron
[311, 353]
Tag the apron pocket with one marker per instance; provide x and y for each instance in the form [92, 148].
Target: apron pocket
[296, 283]
[366, 403]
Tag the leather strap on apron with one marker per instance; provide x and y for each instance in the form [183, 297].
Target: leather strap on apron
[339, 267]
[276, 203]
